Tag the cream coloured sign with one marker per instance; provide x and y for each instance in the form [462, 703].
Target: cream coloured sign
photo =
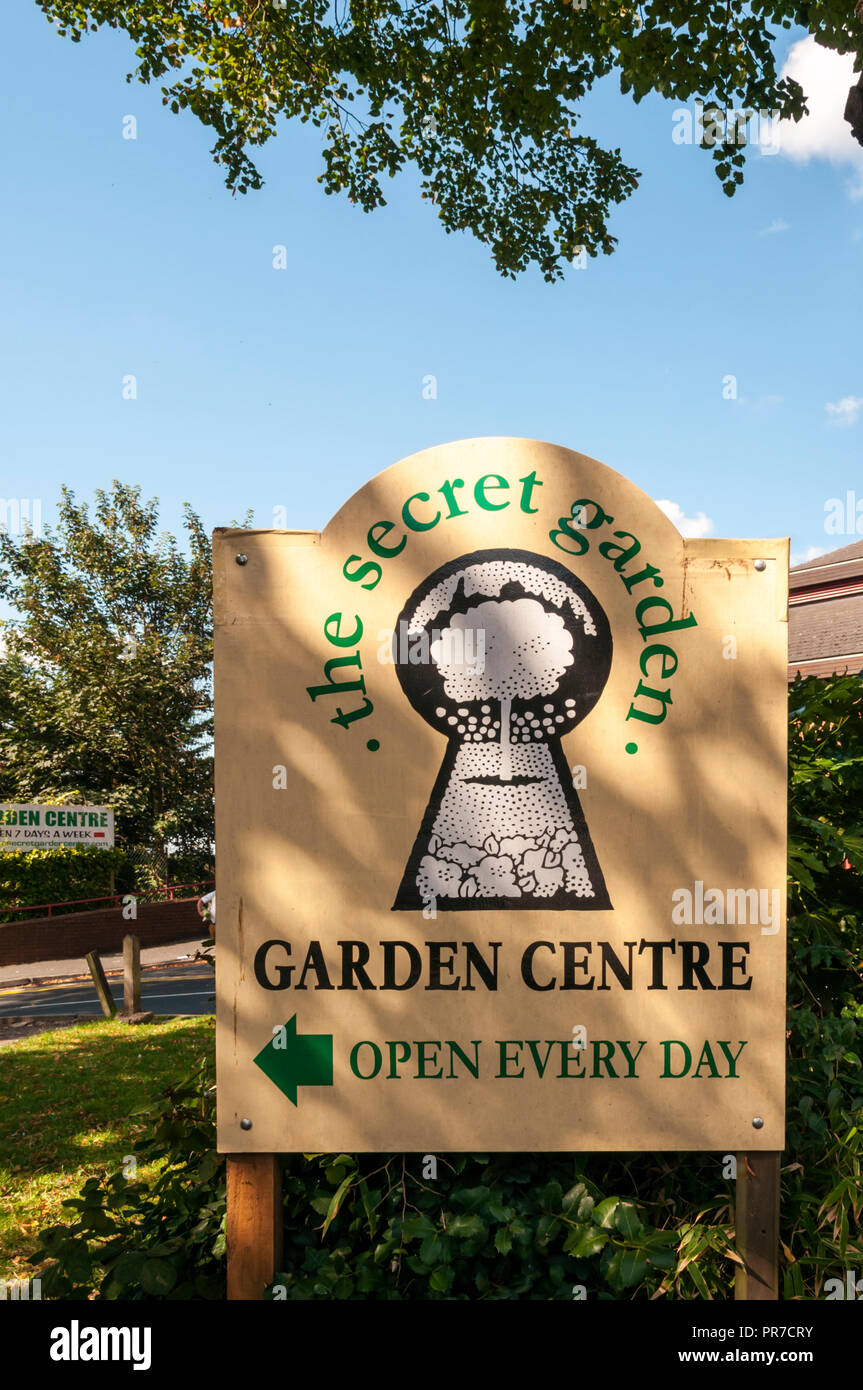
[500, 797]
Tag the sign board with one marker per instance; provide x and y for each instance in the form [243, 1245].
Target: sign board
[500, 802]
[45, 827]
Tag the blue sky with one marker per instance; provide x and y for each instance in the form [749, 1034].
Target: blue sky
[261, 388]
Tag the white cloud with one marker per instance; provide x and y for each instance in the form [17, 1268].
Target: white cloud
[777, 225]
[825, 77]
[800, 557]
[693, 526]
[844, 412]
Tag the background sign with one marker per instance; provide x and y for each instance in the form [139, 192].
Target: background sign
[44, 827]
[500, 799]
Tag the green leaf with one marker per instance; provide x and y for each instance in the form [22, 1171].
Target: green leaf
[416, 1226]
[572, 1198]
[627, 1220]
[128, 1268]
[158, 1277]
[604, 1214]
[698, 1280]
[503, 1240]
[546, 1228]
[333, 1208]
[660, 1258]
[585, 1242]
[623, 1268]
[471, 1198]
[77, 1261]
[552, 1197]
[466, 1226]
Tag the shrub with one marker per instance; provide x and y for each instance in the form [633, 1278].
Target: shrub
[29, 877]
[165, 1239]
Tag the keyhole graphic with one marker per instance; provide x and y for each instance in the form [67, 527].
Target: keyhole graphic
[503, 652]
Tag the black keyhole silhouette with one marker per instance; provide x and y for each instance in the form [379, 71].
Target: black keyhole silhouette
[503, 651]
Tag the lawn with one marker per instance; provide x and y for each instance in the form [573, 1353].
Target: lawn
[66, 1099]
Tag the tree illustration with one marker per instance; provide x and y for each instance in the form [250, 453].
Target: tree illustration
[519, 650]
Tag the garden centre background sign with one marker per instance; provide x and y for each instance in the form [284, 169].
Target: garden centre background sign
[500, 799]
[45, 827]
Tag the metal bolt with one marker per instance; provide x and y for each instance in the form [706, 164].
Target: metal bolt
[247, 1124]
[760, 564]
[244, 560]
[758, 1123]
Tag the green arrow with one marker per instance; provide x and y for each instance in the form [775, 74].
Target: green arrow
[295, 1059]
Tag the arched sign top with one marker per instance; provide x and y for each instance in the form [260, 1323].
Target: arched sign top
[490, 474]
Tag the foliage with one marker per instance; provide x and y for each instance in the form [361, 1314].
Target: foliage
[480, 96]
[33, 876]
[105, 677]
[535, 1226]
[194, 868]
[825, 929]
[513, 1226]
[163, 1239]
[65, 1099]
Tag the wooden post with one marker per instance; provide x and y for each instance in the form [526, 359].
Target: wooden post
[757, 1218]
[106, 999]
[254, 1228]
[131, 975]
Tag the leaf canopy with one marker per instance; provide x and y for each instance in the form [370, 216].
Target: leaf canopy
[480, 96]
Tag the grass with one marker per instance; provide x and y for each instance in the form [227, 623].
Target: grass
[66, 1099]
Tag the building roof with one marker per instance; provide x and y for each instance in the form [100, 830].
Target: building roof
[837, 564]
[830, 630]
[825, 630]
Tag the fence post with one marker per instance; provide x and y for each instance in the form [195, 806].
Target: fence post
[254, 1225]
[757, 1221]
[131, 975]
[106, 999]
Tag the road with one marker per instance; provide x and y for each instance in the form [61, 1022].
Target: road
[175, 989]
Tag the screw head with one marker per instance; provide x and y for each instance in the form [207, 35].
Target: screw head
[242, 559]
[245, 1124]
[760, 565]
[758, 1123]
